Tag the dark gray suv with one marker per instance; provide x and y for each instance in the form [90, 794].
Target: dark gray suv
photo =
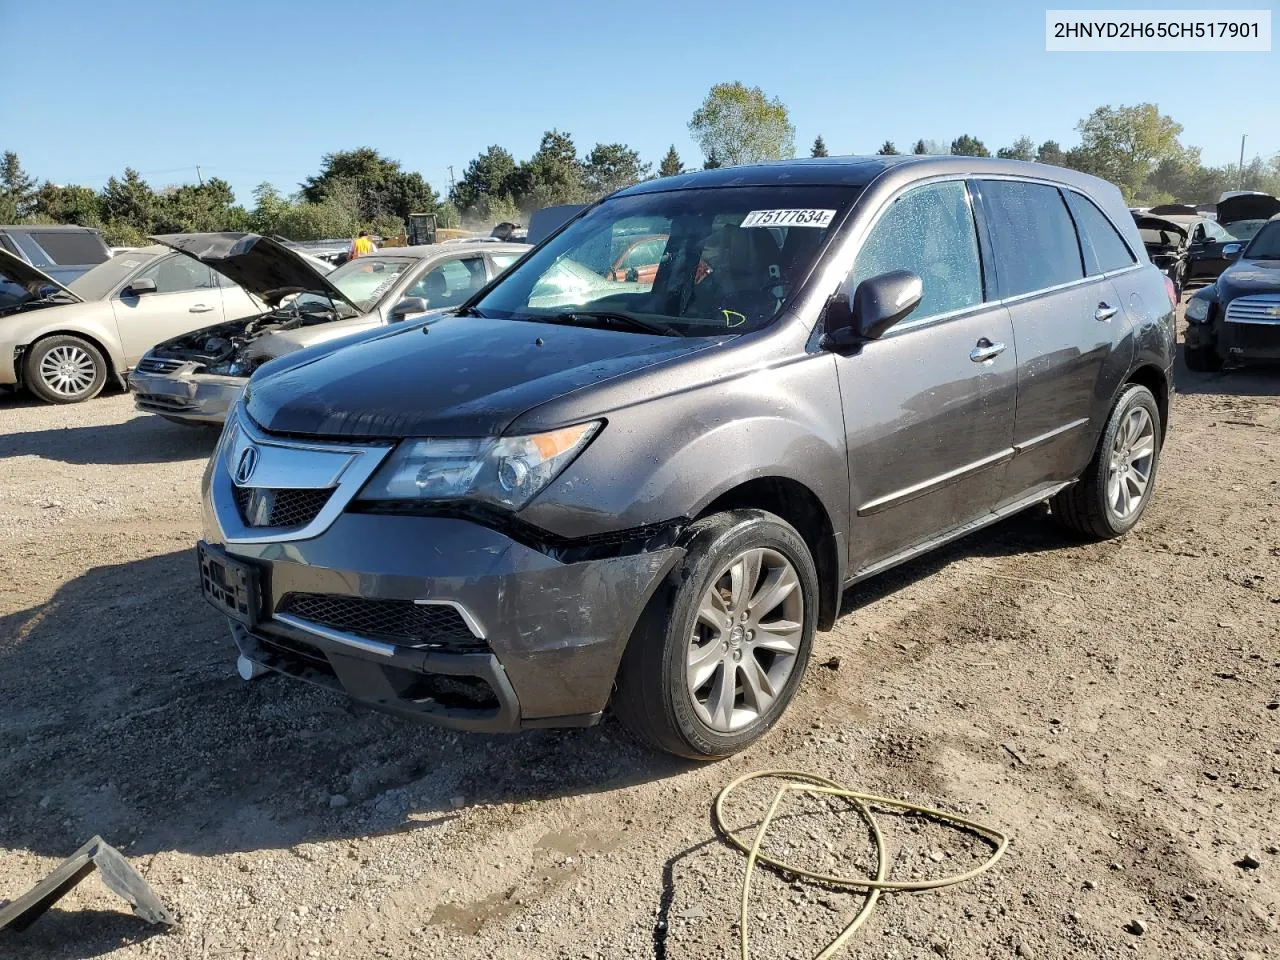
[649, 490]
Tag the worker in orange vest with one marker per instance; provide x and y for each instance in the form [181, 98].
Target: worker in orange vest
[362, 245]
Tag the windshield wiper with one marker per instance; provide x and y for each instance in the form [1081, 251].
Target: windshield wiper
[586, 318]
[471, 312]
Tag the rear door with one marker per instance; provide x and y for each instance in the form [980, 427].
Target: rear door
[186, 298]
[1069, 326]
[929, 407]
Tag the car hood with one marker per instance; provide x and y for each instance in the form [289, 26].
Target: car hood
[262, 266]
[1148, 222]
[24, 273]
[1248, 206]
[1245, 277]
[458, 377]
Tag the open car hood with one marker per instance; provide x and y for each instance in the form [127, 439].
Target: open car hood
[21, 272]
[262, 266]
[1248, 206]
[1147, 222]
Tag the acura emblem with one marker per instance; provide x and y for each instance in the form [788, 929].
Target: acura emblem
[246, 464]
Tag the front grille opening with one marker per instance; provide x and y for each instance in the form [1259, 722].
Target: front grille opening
[452, 693]
[269, 507]
[424, 626]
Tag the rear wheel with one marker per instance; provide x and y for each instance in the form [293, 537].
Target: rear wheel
[1114, 490]
[1201, 359]
[722, 647]
[65, 369]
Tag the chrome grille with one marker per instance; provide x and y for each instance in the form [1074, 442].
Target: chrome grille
[1264, 308]
[158, 365]
[266, 507]
[432, 626]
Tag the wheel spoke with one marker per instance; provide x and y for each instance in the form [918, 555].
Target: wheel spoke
[777, 586]
[1145, 448]
[743, 576]
[702, 663]
[757, 690]
[780, 636]
[713, 611]
[723, 694]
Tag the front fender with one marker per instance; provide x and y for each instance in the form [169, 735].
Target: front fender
[673, 455]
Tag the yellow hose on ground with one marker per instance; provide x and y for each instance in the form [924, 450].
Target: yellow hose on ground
[796, 781]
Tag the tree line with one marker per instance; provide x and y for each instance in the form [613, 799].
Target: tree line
[1136, 147]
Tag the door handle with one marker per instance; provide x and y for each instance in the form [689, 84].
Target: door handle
[200, 308]
[986, 350]
[1104, 312]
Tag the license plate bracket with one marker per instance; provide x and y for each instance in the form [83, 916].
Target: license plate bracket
[232, 586]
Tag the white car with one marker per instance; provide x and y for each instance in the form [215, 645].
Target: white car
[64, 342]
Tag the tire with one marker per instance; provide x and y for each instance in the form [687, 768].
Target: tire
[65, 369]
[1201, 359]
[654, 696]
[1105, 502]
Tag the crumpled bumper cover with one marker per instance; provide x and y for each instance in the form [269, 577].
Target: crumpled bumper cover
[555, 631]
[185, 395]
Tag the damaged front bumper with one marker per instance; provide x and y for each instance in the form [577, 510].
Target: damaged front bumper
[445, 618]
[175, 390]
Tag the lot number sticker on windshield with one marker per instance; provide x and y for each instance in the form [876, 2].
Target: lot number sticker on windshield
[788, 218]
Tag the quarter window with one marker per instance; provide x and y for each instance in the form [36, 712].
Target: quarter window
[1034, 238]
[928, 230]
[1104, 248]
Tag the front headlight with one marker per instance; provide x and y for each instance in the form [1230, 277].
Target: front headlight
[506, 471]
[1197, 309]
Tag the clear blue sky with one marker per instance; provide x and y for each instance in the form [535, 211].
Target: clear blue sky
[259, 91]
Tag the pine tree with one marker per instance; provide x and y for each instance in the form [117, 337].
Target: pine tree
[887, 149]
[711, 162]
[819, 147]
[920, 148]
[671, 164]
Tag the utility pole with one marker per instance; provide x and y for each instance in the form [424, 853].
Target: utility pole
[1243, 136]
[201, 178]
[451, 183]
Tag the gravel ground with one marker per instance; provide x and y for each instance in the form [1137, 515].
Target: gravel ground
[1113, 706]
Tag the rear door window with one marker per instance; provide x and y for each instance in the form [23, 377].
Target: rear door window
[928, 230]
[1033, 235]
[1104, 248]
[73, 247]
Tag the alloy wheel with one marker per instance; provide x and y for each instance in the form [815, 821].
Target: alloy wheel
[67, 370]
[1133, 453]
[745, 640]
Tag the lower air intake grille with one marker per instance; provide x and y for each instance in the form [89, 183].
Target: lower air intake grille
[267, 507]
[431, 626]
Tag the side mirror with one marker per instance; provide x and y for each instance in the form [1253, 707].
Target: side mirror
[408, 307]
[1232, 250]
[141, 286]
[880, 302]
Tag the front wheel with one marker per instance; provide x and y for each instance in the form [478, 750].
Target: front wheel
[1116, 487]
[723, 644]
[65, 369]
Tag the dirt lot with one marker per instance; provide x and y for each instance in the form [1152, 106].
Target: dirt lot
[1113, 706]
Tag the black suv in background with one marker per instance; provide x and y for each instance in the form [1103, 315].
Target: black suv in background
[1237, 318]
[650, 491]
